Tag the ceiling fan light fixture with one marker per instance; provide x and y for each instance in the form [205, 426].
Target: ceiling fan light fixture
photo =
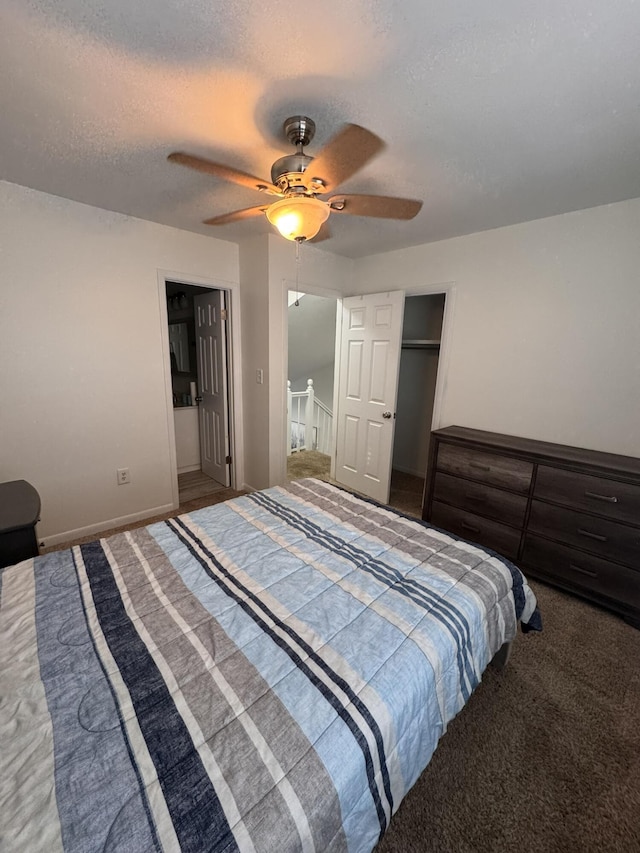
[298, 218]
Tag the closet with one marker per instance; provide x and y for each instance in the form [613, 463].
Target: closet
[422, 328]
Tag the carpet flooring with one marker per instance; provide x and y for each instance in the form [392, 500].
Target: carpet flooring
[405, 493]
[545, 758]
[308, 463]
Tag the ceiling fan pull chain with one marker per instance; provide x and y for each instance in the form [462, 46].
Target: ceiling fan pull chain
[297, 302]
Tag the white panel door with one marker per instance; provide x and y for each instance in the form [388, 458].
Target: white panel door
[369, 359]
[211, 341]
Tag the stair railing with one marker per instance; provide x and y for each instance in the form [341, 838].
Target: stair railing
[309, 421]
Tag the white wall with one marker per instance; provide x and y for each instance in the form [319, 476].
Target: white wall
[187, 431]
[312, 345]
[544, 340]
[323, 378]
[267, 271]
[81, 336]
[254, 290]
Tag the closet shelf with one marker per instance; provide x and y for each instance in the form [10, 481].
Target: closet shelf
[420, 344]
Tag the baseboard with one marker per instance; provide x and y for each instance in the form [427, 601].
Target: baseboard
[411, 471]
[122, 521]
[247, 488]
[188, 468]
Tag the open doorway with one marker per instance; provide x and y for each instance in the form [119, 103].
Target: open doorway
[199, 358]
[311, 324]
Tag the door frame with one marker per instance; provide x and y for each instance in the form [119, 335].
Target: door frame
[314, 290]
[234, 372]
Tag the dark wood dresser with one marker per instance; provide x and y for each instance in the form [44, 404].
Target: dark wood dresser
[567, 516]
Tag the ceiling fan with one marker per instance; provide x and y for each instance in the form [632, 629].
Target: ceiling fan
[298, 181]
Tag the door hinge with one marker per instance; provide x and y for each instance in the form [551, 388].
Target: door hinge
[228, 460]
[223, 313]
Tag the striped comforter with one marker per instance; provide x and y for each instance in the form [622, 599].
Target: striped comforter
[268, 674]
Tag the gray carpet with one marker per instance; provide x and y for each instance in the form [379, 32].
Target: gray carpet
[546, 755]
[308, 463]
[405, 493]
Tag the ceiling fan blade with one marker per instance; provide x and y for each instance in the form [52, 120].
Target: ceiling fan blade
[236, 215]
[385, 207]
[225, 173]
[343, 156]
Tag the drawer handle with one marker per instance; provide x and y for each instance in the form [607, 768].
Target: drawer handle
[612, 499]
[596, 536]
[583, 571]
[480, 466]
[470, 527]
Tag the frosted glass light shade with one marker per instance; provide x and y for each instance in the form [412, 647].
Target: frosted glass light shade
[298, 218]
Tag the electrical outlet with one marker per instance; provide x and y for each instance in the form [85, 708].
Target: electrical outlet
[123, 476]
[260, 376]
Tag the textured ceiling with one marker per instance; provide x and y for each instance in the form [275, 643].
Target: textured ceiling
[493, 113]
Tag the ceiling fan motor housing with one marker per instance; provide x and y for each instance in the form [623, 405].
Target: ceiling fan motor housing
[288, 171]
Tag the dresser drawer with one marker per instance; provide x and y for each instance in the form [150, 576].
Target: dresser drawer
[490, 468]
[575, 570]
[601, 536]
[505, 540]
[611, 498]
[479, 498]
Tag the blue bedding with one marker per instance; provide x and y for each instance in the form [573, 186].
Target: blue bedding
[268, 674]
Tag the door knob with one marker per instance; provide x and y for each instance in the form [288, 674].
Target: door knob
[386, 415]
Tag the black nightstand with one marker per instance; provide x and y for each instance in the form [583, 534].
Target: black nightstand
[19, 512]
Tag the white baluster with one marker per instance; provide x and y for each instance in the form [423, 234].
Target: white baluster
[319, 427]
[289, 417]
[310, 412]
[322, 444]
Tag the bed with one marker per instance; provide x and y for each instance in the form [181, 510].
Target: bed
[268, 674]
